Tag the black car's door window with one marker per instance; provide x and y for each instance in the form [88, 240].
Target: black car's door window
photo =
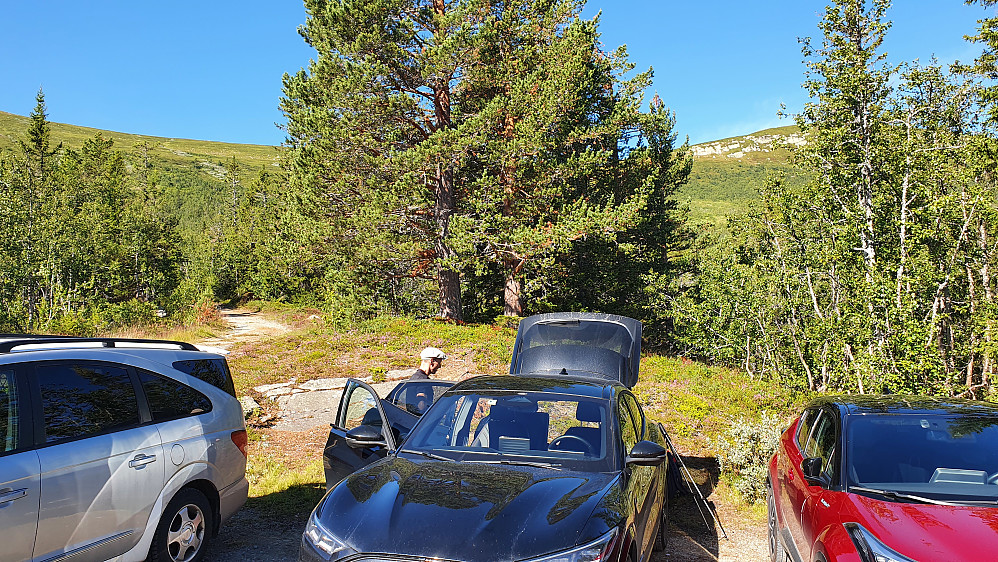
[636, 414]
[9, 412]
[628, 428]
[169, 399]
[80, 400]
[359, 407]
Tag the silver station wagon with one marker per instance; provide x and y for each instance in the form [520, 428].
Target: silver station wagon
[116, 449]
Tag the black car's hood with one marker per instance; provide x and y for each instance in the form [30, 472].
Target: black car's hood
[469, 511]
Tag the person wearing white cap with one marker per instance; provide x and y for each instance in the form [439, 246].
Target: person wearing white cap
[430, 360]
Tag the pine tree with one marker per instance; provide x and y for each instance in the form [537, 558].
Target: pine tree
[467, 136]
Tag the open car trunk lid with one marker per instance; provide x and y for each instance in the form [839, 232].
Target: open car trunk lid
[580, 345]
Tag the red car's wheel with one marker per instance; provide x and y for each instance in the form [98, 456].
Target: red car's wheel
[776, 552]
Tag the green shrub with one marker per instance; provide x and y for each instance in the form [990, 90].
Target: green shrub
[691, 411]
[744, 451]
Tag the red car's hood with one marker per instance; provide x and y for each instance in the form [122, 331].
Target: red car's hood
[926, 532]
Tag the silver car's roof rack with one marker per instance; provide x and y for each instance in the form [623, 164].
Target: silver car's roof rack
[43, 341]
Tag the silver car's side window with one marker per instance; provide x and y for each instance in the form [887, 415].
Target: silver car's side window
[169, 399]
[9, 412]
[80, 400]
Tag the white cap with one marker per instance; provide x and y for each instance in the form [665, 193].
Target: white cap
[432, 353]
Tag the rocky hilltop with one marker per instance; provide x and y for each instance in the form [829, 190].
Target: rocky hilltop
[763, 142]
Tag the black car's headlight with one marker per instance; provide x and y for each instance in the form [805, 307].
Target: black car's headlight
[328, 545]
[596, 551]
[870, 548]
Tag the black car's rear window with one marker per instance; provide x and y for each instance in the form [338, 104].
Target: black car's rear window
[212, 371]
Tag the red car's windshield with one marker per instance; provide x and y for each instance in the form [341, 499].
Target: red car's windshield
[936, 456]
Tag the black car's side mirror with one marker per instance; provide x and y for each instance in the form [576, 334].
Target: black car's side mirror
[646, 453]
[365, 436]
[811, 467]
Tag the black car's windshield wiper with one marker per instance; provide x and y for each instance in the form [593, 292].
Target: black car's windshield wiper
[518, 463]
[900, 496]
[428, 455]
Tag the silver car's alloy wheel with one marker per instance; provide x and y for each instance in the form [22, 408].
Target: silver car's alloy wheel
[185, 529]
[185, 533]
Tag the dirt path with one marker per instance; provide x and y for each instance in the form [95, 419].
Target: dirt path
[253, 536]
[245, 326]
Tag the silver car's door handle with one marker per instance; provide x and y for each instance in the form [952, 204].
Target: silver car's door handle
[141, 460]
[9, 495]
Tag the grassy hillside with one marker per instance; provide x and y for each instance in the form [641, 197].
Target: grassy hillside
[728, 173]
[205, 157]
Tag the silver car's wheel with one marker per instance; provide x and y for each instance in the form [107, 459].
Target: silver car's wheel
[184, 530]
[775, 548]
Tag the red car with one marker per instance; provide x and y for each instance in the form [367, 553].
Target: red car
[886, 479]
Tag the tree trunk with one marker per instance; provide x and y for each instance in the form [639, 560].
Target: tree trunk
[449, 280]
[513, 290]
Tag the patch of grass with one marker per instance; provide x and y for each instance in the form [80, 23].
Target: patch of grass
[381, 344]
[281, 490]
[696, 402]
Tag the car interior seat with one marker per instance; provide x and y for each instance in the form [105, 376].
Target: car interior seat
[519, 421]
[587, 412]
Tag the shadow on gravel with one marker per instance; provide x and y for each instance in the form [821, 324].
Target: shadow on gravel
[268, 528]
[691, 538]
[294, 503]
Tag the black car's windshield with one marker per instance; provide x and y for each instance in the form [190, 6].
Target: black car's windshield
[540, 428]
[930, 456]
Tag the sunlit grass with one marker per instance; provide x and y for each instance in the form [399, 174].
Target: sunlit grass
[282, 490]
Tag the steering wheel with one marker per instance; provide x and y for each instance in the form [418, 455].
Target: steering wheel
[588, 451]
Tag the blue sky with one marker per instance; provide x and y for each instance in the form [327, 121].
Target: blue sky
[212, 69]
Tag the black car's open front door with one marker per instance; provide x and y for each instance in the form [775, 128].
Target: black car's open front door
[358, 436]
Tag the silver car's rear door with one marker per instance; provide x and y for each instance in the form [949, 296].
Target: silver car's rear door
[19, 483]
[101, 471]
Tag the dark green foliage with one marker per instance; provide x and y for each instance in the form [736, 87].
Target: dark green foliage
[491, 139]
[82, 243]
[875, 274]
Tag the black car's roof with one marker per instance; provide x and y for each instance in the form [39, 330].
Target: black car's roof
[858, 404]
[563, 385]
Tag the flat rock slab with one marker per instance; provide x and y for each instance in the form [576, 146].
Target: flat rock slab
[265, 388]
[323, 384]
[305, 410]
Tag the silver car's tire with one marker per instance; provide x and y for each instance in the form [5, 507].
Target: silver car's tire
[184, 530]
[776, 552]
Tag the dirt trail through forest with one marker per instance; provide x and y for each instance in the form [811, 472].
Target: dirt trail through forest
[244, 326]
[253, 536]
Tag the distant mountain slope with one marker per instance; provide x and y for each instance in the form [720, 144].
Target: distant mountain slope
[728, 173]
[207, 157]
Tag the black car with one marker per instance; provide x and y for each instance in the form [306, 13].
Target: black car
[557, 462]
